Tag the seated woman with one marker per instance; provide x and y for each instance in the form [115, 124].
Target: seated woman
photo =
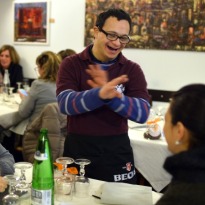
[42, 92]
[9, 59]
[185, 134]
[6, 166]
[6, 162]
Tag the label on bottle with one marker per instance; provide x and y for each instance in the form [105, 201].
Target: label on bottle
[41, 197]
[40, 156]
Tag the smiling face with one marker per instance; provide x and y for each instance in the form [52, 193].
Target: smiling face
[5, 59]
[104, 49]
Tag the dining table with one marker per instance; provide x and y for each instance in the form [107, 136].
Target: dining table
[7, 107]
[149, 155]
[90, 200]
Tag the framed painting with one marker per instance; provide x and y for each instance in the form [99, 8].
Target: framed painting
[156, 24]
[31, 22]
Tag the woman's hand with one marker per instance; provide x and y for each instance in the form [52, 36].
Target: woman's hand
[3, 184]
[22, 93]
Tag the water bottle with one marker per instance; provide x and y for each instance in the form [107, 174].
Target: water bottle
[6, 85]
[42, 192]
[1, 83]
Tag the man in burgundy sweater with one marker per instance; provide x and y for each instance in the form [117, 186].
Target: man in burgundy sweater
[99, 89]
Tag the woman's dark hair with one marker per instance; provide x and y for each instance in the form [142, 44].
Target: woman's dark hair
[188, 107]
[118, 13]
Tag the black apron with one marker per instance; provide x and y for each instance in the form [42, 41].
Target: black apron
[111, 156]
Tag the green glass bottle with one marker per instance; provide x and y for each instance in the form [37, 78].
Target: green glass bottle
[43, 181]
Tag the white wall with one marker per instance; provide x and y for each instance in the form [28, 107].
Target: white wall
[164, 70]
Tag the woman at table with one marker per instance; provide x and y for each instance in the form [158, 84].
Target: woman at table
[184, 130]
[41, 93]
[9, 60]
[6, 162]
[6, 166]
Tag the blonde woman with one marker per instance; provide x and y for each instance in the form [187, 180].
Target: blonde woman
[9, 60]
[42, 92]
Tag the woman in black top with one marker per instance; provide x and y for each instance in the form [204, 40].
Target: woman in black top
[9, 59]
[184, 130]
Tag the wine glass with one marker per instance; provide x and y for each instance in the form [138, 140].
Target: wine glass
[26, 85]
[82, 183]
[65, 183]
[11, 96]
[65, 161]
[11, 198]
[19, 85]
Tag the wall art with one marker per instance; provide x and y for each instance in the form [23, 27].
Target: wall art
[31, 22]
[157, 24]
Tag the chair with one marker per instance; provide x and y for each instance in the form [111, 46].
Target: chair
[55, 122]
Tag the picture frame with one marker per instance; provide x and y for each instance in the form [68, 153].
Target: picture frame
[31, 22]
[156, 24]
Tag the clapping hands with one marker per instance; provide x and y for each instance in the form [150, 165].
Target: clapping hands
[99, 76]
[100, 79]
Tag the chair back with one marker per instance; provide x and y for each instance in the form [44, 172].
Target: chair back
[56, 123]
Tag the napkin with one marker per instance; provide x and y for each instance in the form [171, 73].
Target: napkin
[125, 194]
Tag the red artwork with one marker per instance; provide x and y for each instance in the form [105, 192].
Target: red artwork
[31, 22]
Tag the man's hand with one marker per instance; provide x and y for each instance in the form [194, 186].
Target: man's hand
[108, 91]
[99, 76]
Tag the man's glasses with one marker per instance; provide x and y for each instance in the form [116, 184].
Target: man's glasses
[114, 37]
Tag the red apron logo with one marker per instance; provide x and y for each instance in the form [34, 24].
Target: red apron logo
[128, 166]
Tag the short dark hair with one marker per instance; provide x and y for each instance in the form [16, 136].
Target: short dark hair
[188, 107]
[118, 13]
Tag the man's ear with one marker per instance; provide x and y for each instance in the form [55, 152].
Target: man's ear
[95, 31]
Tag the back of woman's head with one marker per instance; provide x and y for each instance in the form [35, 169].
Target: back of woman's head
[64, 53]
[49, 62]
[13, 53]
[188, 107]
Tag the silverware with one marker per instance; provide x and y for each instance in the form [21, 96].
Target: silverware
[139, 127]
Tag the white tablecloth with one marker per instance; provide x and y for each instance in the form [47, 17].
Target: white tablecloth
[94, 186]
[149, 157]
[6, 108]
[9, 107]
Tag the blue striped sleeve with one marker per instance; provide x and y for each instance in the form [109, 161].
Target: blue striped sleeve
[73, 103]
[135, 109]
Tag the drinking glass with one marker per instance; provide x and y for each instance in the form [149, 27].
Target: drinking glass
[1, 94]
[65, 183]
[23, 185]
[11, 198]
[11, 96]
[65, 161]
[82, 183]
[26, 85]
[19, 85]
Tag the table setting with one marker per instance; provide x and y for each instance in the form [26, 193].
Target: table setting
[150, 153]
[9, 105]
[72, 189]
